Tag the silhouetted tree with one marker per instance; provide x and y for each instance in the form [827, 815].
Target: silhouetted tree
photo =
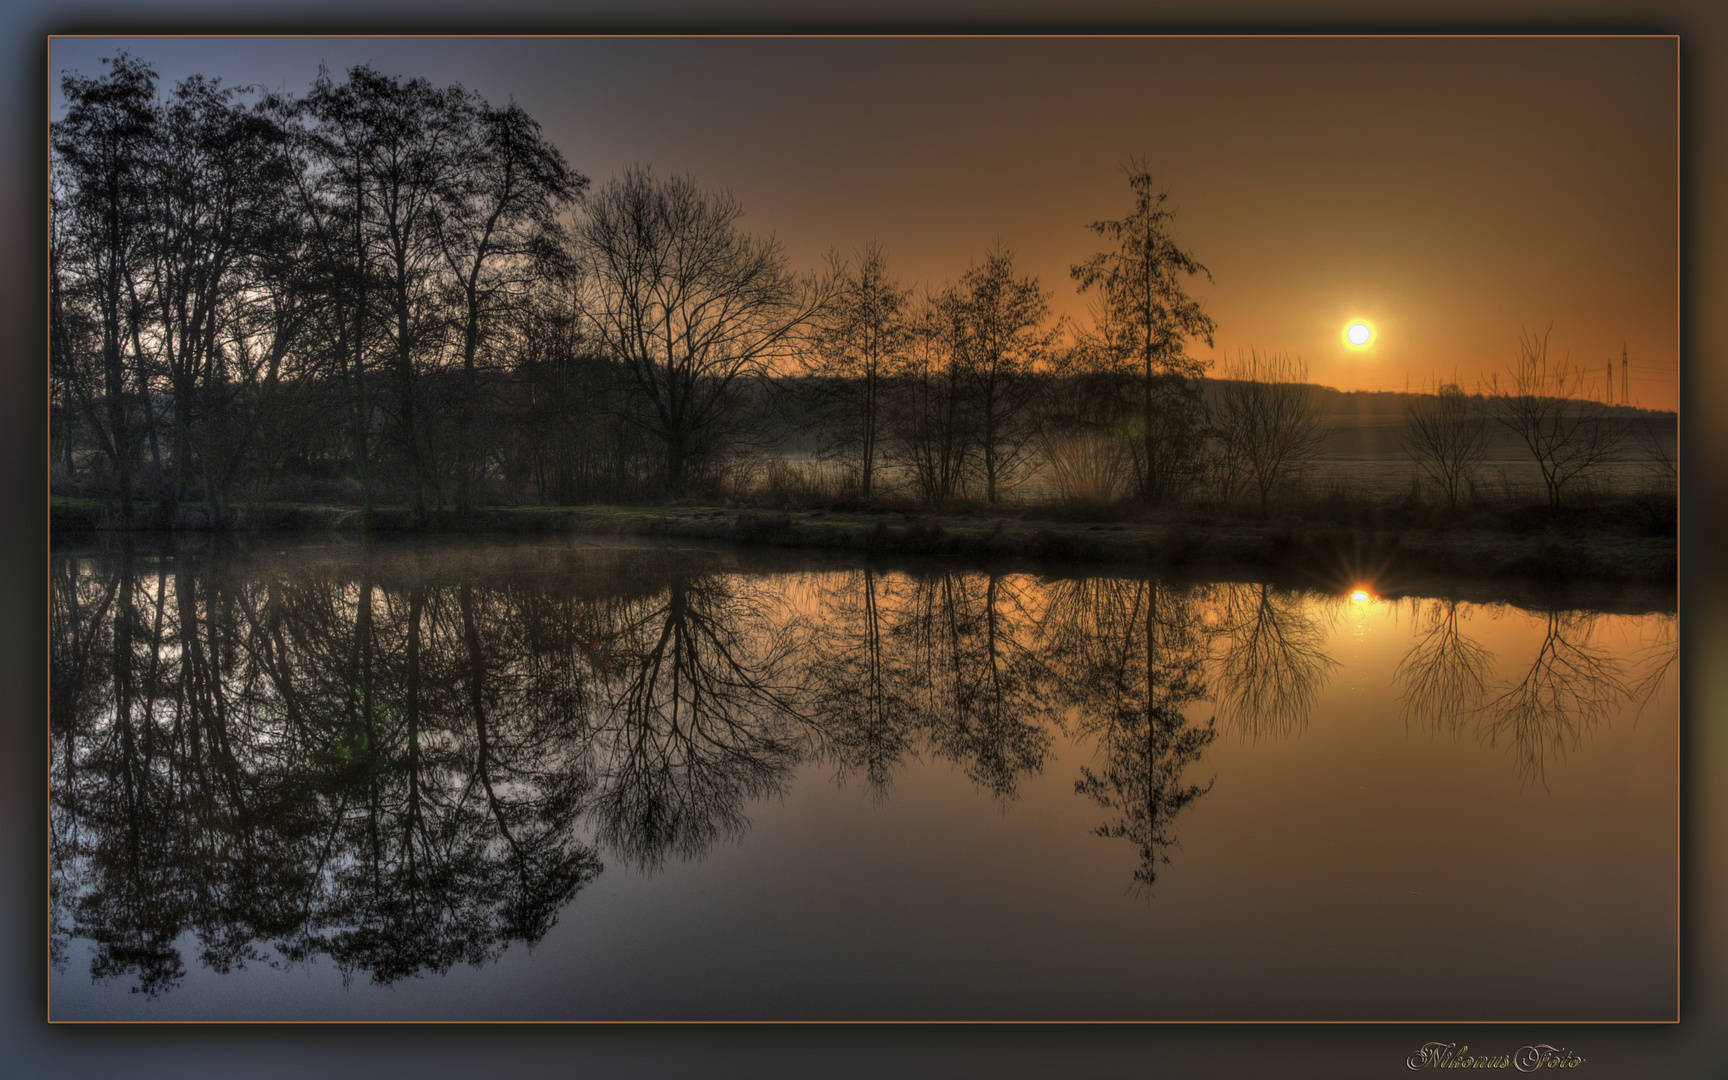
[1446, 435]
[395, 148]
[1000, 347]
[499, 232]
[859, 341]
[1269, 424]
[934, 414]
[1145, 321]
[1568, 436]
[102, 149]
[692, 308]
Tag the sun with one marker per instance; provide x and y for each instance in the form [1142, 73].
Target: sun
[1359, 335]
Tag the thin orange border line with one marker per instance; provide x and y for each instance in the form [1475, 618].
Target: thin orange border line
[1679, 949]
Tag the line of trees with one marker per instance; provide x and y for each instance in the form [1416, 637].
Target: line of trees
[1543, 405]
[246, 283]
[385, 290]
[388, 291]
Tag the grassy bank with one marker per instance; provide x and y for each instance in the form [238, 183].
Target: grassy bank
[1332, 547]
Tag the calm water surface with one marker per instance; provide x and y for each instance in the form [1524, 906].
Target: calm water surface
[573, 780]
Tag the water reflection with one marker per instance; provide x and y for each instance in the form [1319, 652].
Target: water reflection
[1133, 657]
[1548, 703]
[698, 711]
[1443, 677]
[406, 758]
[940, 666]
[865, 689]
[1571, 686]
[1268, 657]
[328, 763]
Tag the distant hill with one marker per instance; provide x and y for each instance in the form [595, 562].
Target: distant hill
[1368, 405]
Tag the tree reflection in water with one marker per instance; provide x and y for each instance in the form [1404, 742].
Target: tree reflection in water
[864, 690]
[409, 757]
[1656, 657]
[1267, 658]
[1443, 677]
[330, 761]
[981, 691]
[701, 710]
[1570, 687]
[940, 665]
[1132, 657]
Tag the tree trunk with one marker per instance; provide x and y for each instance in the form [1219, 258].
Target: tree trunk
[1148, 484]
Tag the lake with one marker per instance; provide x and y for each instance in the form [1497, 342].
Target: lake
[574, 779]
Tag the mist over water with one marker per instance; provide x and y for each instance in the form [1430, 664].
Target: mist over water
[573, 780]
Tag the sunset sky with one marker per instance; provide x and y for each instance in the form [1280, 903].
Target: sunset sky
[1450, 191]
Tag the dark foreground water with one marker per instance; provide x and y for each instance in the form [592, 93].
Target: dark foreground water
[569, 780]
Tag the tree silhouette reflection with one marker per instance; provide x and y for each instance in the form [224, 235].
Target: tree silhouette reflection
[1570, 687]
[864, 691]
[1133, 658]
[284, 769]
[1655, 658]
[1443, 678]
[1267, 658]
[701, 711]
[936, 665]
[982, 691]
[407, 757]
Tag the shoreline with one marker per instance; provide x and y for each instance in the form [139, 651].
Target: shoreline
[1321, 554]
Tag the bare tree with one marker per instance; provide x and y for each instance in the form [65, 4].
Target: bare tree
[933, 413]
[1001, 346]
[101, 151]
[1147, 319]
[860, 341]
[1447, 437]
[1568, 436]
[499, 232]
[224, 286]
[1268, 421]
[690, 305]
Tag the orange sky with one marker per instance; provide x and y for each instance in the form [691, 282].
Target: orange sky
[1450, 190]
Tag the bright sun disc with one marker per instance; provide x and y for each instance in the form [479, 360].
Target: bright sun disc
[1360, 596]
[1358, 334]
